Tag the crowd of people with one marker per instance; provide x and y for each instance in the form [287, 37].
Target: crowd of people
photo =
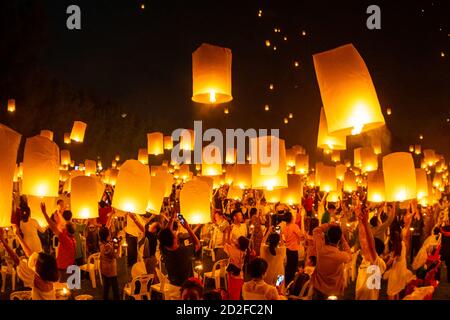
[265, 251]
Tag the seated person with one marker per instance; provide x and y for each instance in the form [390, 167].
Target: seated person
[257, 288]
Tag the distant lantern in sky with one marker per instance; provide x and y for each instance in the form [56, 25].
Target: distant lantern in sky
[78, 131]
[211, 74]
[399, 176]
[294, 192]
[268, 163]
[230, 155]
[290, 157]
[155, 143]
[285, 38]
[296, 64]
[260, 13]
[349, 181]
[376, 144]
[301, 163]
[11, 105]
[327, 178]
[90, 167]
[304, 33]
[142, 6]
[65, 157]
[132, 188]
[225, 110]
[187, 139]
[48, 134]
[442, 54]
[417, 149]
[271, 86]
[266, 107]
[156, 194]
[422, 184]
[388, 111]
[40, 167]
[195, 202]
[411, 148]
[327, 141]
[267, 43]
[168, 143]
[341, 169]
[143, 156]
[348, 95]
[84, 197]
[335, 156]
[291, 115]
[67, 138]
[9, 145]
[211, 161]
[369, 160]
[286, 120]
[375, 187]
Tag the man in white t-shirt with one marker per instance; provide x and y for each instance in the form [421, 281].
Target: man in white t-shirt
[134, 232]
[238, 228]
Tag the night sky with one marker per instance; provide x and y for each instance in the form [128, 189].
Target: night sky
[141, 60]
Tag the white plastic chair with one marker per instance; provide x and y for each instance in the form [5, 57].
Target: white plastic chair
[217, 273]
[306, 292]
[8, 270]
[93, 266]
[20, 295]
[165, 288]
[210, 249]
[139, 288]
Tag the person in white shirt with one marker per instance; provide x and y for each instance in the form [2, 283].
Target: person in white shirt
[219, 228]
[134, 233]
[30, 228]
[238, 228]
[257, 288]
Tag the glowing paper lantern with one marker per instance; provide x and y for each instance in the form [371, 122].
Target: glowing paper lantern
[357, 161]
[195, 202]
[65, 157]
[335, 156]
[399, 176]
[411, 148]
[421, 184]
[242, 176]
[369, 160]
[348, 95]
[294, 192]
[40, 167]
[112, 177]
[234, 193]
[64, 175]
[156, 195]
[90, 167]
[340, 172]
[230, 174]
[168, 143]
[272, 196]
[327, 141]
[67, 138]
[184, 171]
[11, 105]
[167, 178]
[9, 145]
[268, 163]
[84, 197]
[211, 74]
[218, 181]
[48, 134]
[35, 207]
[230, 156]
[78, 131]
[349, 181]
[290, 157]
[429, 156]
[211, 161]
[143, 156]
[417, 149]
[375, 187]
[334, 196]
[132, 188]
[301, 163]
[327, 178]
[155, 143]
[376, 145]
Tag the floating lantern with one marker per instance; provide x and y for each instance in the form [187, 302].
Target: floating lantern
[64, 175]
[429, 156]
[211, 161]
[67, 138]
[327, 178]
[272, 196]
[369, 160]
[311, 179]
[132, 188]
[267, 43]
[11, 105]
[421, 184]
[230, 155]
[242, 176]
[411, 148]
[9, 145]
[286, 120]
[90, 167]
[376, 145]
[341, 169]
[290, 116]
[156, 195]
[167, 178]
[388, 111]
[211, 74]
[348, 95]
[230, 174]
[417, 149]
[184, 171]
[327, 141]
[301, 163]
[48, 134]
[65, 157]
[143, 156]
[187, 139]
[318, 167]
[78, 131]
[357, 161]
[375, 187]
[399, 176]
[335, 156]
[437, 180]
[421, 137]
[266, 107]
[35, 207]
[234, 193]
[114, 164]
[268, 163]
[290, 157]
[218, 181]
[117, 157]
[271, 87]
[40, 167]
[349, 181]
[168, 143]
[294, 192]
[195, 202]
[84, 197]
[334, 196]
[155, 143]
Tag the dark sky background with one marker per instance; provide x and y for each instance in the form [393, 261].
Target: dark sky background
[141, 61]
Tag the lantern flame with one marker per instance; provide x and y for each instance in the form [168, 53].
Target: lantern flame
[212, 96]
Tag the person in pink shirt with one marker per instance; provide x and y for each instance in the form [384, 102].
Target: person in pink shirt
[292, 236]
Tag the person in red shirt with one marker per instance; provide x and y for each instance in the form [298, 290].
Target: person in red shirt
[66, 249]
[308, 203]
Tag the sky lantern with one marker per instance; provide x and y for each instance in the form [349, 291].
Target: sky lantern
[211, 74]
[301, 163]
[156, 195]
[40, 167]
[326, 140]
[375, 187]
[269, 165]
[65, 157]
[143, 155]
[211, 161]
[167, 178]
[242, 176]
[357, 161]
[340, 172]
[234, 193]
[67, 138]
[334, 196]
[11, 105]
[335, 156]
[9, 145]
[437, 180]
[90, 167]
[184, 171]
[411, 148]
[195, 202]
[317, 170]
[230, 155]
[294, 192]
[35, 207]
[376, 145]
[290, 157]
[84, 197]
[155, 143]
[187, 139]
[230, 174]
[399, 176]
[327, 178]
[273, 196]
[78, 131]
[48, 134]
[218, 181]
[417, 149]
[369, 160]
[349, 181]
[132, 188]
[348, 94]
[421, 184]
[429, 156]
[168, 143]
[64, 175]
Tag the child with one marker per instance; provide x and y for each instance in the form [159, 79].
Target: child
[108, 265]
